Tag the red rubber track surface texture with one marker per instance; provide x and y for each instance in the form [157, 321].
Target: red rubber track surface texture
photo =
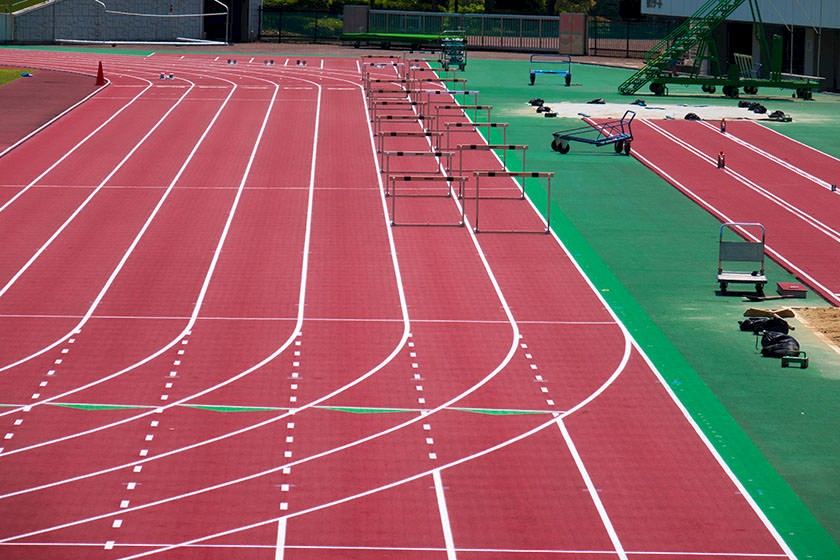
[217, 346]
[787, 192]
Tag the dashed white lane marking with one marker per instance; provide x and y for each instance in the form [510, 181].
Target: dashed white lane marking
[286, 485]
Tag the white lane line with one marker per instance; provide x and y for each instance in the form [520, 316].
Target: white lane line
[448, 539]
[593, 492]
[628, 346]
[67, 222]
[778, 257]
[55, 118]
[830, 232]
[280, 545]
[120, 266]
[775, 159]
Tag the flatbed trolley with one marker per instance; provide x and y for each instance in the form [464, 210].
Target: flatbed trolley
[539, 59]
[453, 49]
[746, 252]
[616, 132]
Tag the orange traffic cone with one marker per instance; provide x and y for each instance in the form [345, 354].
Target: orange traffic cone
[100, 76]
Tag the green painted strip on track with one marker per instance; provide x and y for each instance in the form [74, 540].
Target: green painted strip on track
[500, 412]
[225, 408]
[90, 406]
[652, 253]
[365, 410]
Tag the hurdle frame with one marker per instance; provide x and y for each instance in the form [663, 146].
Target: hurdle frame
[437, 154]
[463, 108]
[490, 147]
[513, 174]
[449, 179]
[473, 125]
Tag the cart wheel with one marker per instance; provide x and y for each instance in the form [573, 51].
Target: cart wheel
[568, 80]
[730, 91]
[560, 146]
[627, 147]
[533, 78]
[619, 146]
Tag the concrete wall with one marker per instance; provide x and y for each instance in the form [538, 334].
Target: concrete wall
[88, 20]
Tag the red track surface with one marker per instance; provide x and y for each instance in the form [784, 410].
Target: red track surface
[398, 391]
[769, 179]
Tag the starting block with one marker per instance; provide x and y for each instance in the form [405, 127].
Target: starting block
[798, 359]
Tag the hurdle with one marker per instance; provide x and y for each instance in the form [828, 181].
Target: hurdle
[463, 109]
[407, 59]
[473, 125]
[489, 147]
[523, 174]
[378, 121]
[430, 134]
[391, 104]
[394, 180]
[369, 83]
[388, 95]
[438, 154]
[429, 93]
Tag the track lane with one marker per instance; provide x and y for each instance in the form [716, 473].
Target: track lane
[796, 239]
[426, 475]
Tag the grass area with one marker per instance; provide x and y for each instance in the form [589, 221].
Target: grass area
[7, 6]
[653, 254]
[10, 75]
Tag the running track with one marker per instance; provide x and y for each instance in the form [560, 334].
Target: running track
[216, 346]
[769, 178]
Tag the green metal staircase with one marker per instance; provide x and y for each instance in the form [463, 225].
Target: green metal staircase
[673, 48]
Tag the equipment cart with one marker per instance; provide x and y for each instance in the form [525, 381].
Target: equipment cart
[616, 132]
[539, 59]
[453, 49]
[749, 255]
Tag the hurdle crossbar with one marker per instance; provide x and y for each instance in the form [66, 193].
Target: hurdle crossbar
[406, 134]
[413, 117]
[523, 174]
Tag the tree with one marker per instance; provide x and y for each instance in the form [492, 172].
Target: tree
[572, 6]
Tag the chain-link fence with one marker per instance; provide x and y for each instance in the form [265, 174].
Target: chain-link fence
[629, 39]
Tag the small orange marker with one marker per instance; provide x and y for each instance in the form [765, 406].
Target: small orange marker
[721, 160]
[100, 76]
